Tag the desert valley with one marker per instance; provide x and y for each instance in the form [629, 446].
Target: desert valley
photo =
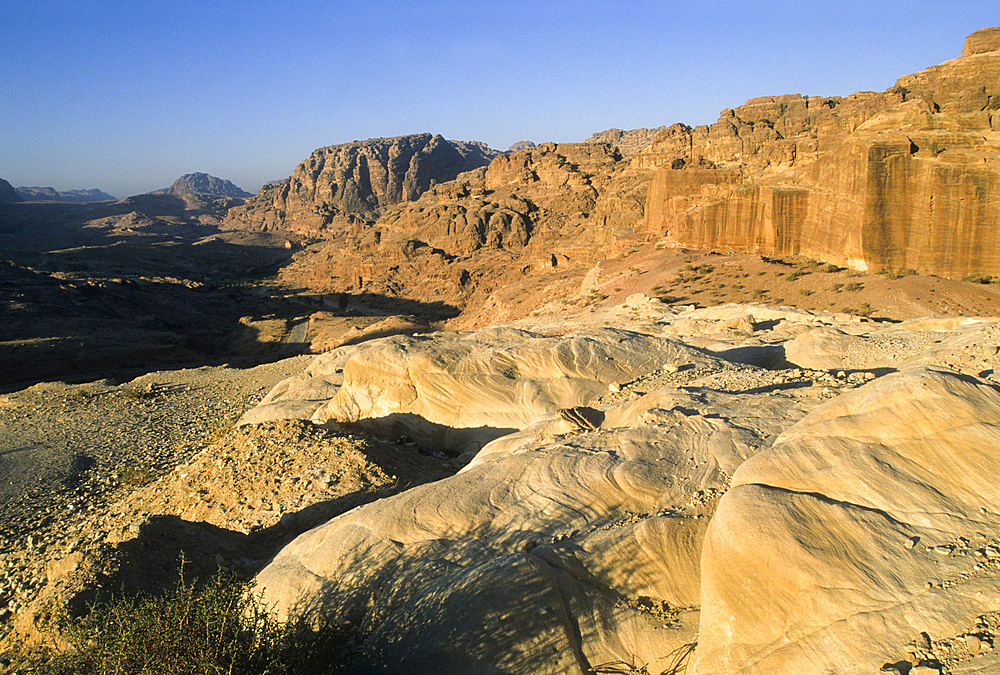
[709, 400]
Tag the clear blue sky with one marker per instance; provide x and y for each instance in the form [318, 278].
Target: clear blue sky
[127, 96]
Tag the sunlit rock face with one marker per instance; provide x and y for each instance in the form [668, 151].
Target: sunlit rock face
[906, 178]
[355, 182]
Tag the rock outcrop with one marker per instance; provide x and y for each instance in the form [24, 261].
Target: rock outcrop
[549, 208]
[47, 194]
[203, 184]
[521, 145]
[456, 391]
[907, 178]
[8, 195]
[706, 513]
[628, 142]
[870, 522]
[355, 182]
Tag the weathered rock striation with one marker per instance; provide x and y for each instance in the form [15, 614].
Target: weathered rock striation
[203, 184]
[340, 185]
[906, 178]
[706, 513]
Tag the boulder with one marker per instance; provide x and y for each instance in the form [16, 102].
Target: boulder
[864, 526]
[550, 553]
[456, 392]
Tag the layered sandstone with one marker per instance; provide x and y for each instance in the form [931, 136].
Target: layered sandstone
[355, 182]
[907, 178]
[657, 505]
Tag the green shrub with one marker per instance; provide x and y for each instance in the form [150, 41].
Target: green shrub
[853, 287]
[214, 627]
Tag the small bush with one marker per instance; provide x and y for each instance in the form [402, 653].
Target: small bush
[837, 288]
[806, 292]
[978, 279]
[853, 287]
[214, 627]
[898, 274]
[135, 475]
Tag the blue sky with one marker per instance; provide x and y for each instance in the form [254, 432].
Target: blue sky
[128, 96]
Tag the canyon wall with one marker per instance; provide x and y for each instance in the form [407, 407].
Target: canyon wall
[343, 184]
[906, 178]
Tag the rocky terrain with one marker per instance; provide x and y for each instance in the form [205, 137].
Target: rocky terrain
[138, 283]
[722, 400]
[47, 194]
[346, 185]
[906, 178]
[8, 195]
[203, 184]
[901, 180]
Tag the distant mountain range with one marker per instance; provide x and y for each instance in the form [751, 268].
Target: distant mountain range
[203, 184]
[47, 194]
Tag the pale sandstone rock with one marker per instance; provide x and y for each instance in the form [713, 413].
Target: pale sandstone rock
[459, 391]
[550, 555]
[805, 567]
[909, 344]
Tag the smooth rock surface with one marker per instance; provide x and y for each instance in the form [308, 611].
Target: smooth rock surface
[805, 565]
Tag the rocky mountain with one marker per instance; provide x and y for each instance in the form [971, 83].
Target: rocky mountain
[47, 194]
[628, 142]
[356, 182]
[521, 145]
[906, 178]
[203, 184]
[902, 179]
[8, 195]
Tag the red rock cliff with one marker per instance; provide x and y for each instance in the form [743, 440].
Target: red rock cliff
[905, 178]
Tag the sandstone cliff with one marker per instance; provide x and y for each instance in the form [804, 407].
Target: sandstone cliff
[536, 211]
[628, 142]
[8, 195]
[906, 178]
[203, 184]
[355, 182]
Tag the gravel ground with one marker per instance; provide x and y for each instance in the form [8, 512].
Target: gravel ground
[68, 451]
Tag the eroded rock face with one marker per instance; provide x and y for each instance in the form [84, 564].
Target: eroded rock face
[907, 178]
[458, 391]
[355, 182]
[857, 532]
[571, 544]
[551, 207]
